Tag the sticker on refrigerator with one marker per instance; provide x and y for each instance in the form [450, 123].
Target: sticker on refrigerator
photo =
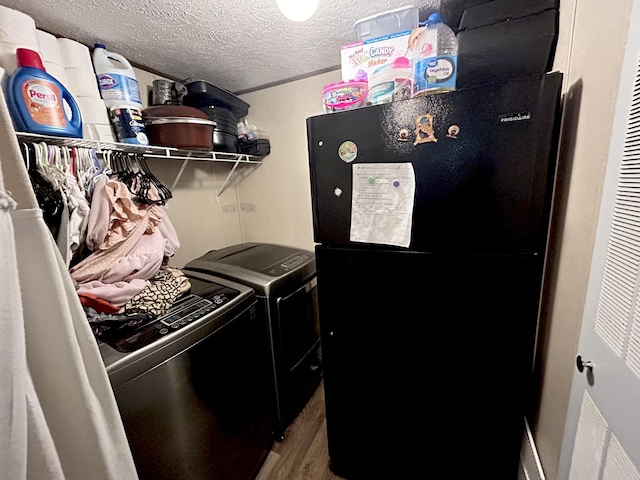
[382, 203]
[424, 129]
[348, 151]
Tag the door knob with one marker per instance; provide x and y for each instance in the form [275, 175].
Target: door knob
[581, 364]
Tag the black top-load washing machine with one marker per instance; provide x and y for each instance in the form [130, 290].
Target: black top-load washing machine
[192, 387]
[284, 281]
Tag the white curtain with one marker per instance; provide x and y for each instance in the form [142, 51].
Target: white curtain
[58, 415]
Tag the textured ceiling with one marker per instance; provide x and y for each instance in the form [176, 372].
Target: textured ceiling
[237, 45]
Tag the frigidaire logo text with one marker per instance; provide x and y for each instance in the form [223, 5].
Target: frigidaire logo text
[517, 117]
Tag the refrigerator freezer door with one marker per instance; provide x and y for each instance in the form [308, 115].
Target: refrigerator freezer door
[430, 375]
[484, 162]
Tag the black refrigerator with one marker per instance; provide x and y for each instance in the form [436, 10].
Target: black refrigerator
[431, 219]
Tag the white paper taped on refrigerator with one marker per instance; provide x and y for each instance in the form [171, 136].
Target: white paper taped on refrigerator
[382, 203]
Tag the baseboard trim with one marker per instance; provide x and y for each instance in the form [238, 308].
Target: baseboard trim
[530, 466]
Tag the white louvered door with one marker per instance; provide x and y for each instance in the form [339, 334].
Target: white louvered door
[602, 434]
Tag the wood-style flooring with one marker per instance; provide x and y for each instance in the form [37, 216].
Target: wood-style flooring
[303, 454]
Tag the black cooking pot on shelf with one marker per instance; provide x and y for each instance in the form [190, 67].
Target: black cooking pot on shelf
[225, 131]
[225, 142]
[225, 120]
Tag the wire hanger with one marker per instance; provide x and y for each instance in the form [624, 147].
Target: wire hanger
[26, 155]
[163, 191]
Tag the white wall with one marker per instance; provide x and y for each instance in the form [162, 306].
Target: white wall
[590, 53]
[281, 188]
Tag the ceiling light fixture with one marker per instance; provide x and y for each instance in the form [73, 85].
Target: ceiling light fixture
[298, 10]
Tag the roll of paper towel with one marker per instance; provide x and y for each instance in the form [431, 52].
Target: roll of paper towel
[4, 78]
[105, 132]
[97, 131]
[93, 110]
[49, 48]
[17, 30]
[8, 59]
[75, 54]
[82, 83]
[58, 72]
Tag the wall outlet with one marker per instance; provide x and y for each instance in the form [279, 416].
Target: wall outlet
[230, 208]
[248, 207]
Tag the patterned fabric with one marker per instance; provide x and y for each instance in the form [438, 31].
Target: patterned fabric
[158, 296]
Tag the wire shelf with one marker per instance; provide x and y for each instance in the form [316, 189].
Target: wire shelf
[149, 151]
[146, 150]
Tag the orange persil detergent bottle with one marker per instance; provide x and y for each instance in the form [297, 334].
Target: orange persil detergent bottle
[35, 100]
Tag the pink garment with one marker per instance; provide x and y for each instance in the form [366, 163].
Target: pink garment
[118, 293]
[127, 215]
[99, 220]
[128, 223]
[142, 262]
[168, 232]
[114, 215]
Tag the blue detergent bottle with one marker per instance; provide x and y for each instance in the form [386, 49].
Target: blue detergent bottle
[36, 100]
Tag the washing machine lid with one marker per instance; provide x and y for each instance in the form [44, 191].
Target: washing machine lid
[263, 266]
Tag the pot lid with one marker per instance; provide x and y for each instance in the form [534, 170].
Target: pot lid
[174, 120]
[169, 110]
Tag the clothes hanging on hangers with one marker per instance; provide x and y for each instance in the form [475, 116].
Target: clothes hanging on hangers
[132, 170]
[60, 195]
[49, 199]
[107, 218]
[123, 228]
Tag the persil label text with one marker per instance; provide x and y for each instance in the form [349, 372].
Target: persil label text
[41, 94]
